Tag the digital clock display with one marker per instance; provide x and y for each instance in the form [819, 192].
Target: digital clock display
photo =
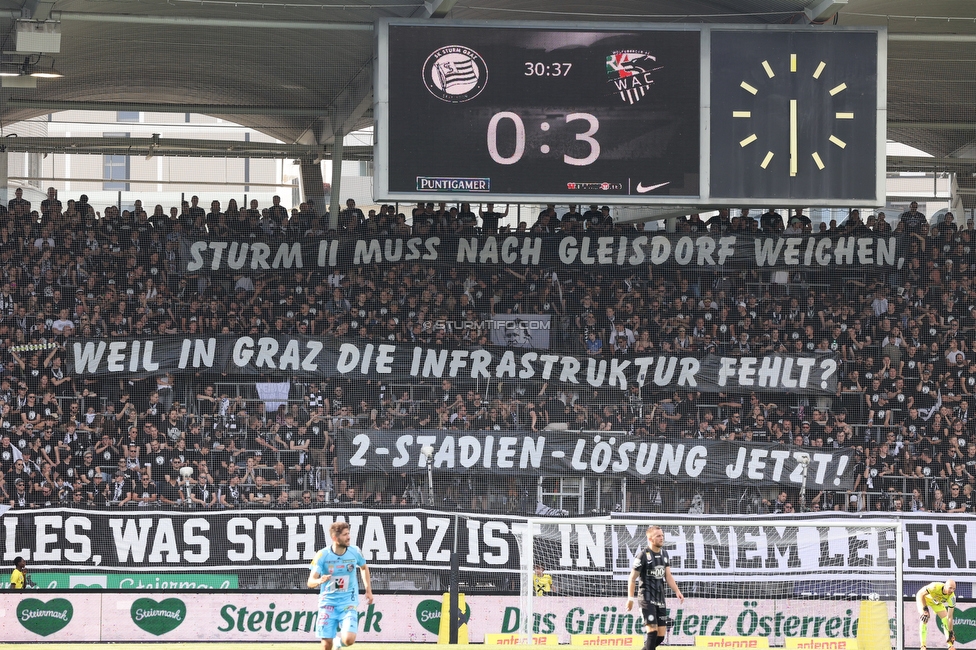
[529, 111]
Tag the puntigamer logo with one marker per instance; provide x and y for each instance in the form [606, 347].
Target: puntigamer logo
[158, 618]
[44, 618]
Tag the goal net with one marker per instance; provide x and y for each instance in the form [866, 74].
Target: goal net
[788, 581]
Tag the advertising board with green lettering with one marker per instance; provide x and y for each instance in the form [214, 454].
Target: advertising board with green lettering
[147, 581]
[88, 616]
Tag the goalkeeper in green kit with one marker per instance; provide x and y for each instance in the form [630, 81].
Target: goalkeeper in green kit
[940, 597]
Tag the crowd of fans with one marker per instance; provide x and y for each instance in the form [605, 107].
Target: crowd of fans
[906, 336]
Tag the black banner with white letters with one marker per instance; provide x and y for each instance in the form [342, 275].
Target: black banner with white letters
[246, 539]
[626, 251]
[247, 356]
[593, 454]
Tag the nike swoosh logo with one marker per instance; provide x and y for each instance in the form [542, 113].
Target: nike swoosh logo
[644, 189]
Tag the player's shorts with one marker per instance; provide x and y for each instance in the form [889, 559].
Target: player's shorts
[336, 618]
[655, 615]
[938, 608]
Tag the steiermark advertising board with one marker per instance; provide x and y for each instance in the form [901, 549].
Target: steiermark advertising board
[141, 581]
[87, 616]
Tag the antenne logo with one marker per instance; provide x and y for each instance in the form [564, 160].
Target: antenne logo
[630, 73]
[455, 74]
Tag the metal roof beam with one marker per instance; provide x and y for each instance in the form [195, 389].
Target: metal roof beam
[199, 21]
[155, 107]
[924, 163]
[342, 115]
[940, 126]
[177, 147]
[933, 38]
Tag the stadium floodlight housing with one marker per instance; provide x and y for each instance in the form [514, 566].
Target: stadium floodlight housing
[36, 69]
[823, 9]
[35, 36]
[46, 73]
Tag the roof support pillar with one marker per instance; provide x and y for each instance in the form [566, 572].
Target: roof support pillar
[4, 180]
[336, 182]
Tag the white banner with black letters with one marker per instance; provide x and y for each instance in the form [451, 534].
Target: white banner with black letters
[701, 547]
[593, 454]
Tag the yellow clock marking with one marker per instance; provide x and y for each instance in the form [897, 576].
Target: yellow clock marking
[793, 145]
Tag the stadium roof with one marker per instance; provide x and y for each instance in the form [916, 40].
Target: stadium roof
[301, 70]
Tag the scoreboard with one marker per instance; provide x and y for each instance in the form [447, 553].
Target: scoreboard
[593, 113]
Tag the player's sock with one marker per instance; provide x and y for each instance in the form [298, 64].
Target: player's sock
[337, 642]
[923, 632]
[649, 640]
[660, 642]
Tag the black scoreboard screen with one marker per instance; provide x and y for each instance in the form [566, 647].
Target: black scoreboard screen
[515, 112]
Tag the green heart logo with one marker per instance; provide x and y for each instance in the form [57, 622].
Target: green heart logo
[964, 624]
[158, 618]
[44, 618]
[429, 615]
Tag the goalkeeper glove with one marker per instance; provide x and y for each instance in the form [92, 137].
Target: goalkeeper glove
[924, 618]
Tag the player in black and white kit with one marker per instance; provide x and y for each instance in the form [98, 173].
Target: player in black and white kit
[653, 567]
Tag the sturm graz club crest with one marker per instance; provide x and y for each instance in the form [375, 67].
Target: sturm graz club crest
[455, 74]
[630, 73]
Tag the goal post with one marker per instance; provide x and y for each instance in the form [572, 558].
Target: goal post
[788, 580]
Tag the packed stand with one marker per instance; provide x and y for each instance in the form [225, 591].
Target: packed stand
[906, 338]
